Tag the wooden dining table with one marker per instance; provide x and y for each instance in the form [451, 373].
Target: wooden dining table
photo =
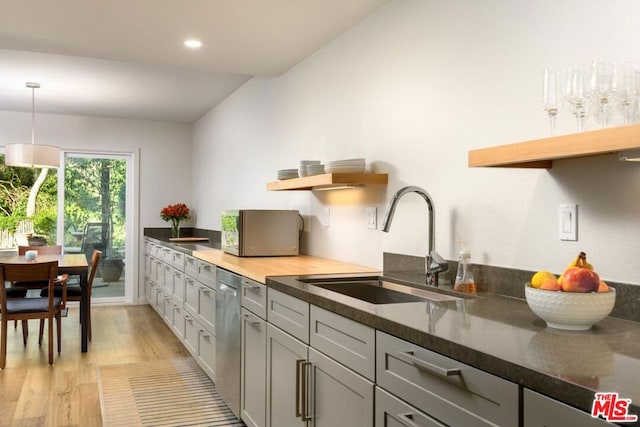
[73, 265]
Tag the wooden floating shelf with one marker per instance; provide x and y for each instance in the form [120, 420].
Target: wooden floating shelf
[541, 153]
[327, 181]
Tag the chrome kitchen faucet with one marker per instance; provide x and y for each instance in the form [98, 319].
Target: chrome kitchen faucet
[434, 263]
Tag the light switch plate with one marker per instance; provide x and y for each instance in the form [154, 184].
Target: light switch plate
[568, 222]
[326, 215]
[371, 217]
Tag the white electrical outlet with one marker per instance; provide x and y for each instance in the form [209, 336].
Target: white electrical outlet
[568, 222]
[326, 215]
[371, 217]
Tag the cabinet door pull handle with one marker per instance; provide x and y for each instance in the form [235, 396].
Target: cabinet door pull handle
[305, 391]
[407, 420]
[299, 363]
[251, 286]
[409, 357]
[251, 320]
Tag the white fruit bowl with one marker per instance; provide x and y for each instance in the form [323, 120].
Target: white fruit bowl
[574, 311]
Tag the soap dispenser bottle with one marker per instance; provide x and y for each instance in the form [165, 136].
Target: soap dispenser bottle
[464, 276]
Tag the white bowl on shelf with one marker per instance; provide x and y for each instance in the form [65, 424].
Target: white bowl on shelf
[575, 311]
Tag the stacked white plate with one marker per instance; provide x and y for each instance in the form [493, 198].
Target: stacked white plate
[304, 164]
[287, 173]
[345, 166]
[315, 169]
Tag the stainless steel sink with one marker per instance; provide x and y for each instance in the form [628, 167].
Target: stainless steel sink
[376, 291]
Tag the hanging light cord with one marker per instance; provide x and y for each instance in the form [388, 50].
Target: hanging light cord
[33, 87]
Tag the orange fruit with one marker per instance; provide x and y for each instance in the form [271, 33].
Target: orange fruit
[550, 284]
[602, 287]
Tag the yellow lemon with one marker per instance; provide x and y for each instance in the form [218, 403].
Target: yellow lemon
[539, 277]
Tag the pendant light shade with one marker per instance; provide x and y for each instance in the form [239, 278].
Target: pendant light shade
[32, 155]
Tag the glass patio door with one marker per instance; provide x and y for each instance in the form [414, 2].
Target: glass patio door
[95, 216]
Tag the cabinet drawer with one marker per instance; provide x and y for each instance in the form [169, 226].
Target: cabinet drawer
[393, 412]
[542, 411]
[207, 352]
[167, 254]
[191, 335]
[178, 260]
[191, 266]
[289, 314]
[178, 320]
[254, 297]
[207, 273]
[178, 286]
[442, 387]
[349, 342]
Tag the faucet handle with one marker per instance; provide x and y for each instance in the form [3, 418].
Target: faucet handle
[435, 263]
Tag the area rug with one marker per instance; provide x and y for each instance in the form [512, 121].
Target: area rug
[174, 392]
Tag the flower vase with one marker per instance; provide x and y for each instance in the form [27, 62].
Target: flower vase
[175, 229]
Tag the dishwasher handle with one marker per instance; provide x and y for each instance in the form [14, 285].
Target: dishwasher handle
[228, 289]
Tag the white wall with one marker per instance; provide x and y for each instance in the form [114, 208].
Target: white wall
[412, 89]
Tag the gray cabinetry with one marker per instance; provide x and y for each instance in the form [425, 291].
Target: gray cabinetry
[185, 304]
[305, 385]
[345, 340]
[445, 389]
[336, 395]
[289, 314]
[253, 369]
[285, 355]
[543, 411]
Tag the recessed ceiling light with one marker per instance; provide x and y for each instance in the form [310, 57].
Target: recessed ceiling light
[192, 43]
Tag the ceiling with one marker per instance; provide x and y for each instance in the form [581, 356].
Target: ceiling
[126, 59]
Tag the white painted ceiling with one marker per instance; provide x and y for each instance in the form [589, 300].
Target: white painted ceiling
[125, 58]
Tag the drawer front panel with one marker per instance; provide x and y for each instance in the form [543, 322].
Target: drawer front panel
[254, 297]
[393, 412]
[289, 314]
[191, 266]
[178, 286]
[178, 260]
[349, 342]
[540, 410]
[447, 390]
[207, 273]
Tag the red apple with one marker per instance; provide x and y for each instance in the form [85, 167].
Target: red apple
[575, 279]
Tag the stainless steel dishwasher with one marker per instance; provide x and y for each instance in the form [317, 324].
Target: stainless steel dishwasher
[228, 301]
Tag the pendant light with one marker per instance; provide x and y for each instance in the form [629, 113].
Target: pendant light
[32, 155]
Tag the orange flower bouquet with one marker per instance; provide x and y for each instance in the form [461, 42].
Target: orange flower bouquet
[175, 214]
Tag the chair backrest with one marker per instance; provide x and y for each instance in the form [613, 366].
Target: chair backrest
[38, 271]
[96, 236]
[95, 261]
[42, 250]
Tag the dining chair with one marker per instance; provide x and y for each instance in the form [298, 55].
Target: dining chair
[74, 293]
[30, 308]
[61, 280]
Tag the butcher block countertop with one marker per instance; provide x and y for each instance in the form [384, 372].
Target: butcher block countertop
[258, 268]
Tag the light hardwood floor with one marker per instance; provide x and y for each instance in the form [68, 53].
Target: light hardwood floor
[32, 393]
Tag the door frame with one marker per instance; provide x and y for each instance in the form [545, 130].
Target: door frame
[132, 222]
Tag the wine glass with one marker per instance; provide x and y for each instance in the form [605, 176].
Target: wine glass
[552, 95]
[603, 84]
[627, 88]
[577, 92]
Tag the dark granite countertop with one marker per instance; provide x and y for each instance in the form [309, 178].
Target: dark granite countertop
[186, 247]
[501, 335]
